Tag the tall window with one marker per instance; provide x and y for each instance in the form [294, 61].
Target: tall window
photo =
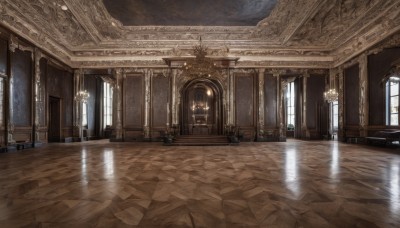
[335, 116]
[290, 108]
[84, 114]
[392, 101]
[107, 109]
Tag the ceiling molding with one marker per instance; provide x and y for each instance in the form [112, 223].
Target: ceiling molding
[301, 33]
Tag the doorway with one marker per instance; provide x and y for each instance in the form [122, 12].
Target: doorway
[54, 119]
[202, 108]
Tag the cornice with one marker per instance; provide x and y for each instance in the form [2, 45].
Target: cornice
[388, 26]
[139, 63]
[14, 23]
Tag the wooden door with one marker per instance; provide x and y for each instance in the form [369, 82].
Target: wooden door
[54, 119]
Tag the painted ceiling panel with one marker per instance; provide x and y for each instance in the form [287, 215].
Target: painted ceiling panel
[189, 12]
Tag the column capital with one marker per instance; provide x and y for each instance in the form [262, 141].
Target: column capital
[38, 54]
[13, 43]
[276, 72]
[78, 71]
[117, 71]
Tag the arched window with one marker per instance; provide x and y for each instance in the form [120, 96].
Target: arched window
[392, 101]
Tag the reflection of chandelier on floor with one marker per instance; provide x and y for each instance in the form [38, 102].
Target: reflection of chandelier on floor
[201, 66]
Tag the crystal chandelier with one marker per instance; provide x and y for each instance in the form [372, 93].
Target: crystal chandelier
[82, 96]
[201, 66]
[331, 95]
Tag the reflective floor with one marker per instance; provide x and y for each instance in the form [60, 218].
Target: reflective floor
[292, 184]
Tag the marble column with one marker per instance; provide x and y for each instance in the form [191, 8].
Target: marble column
[117, 103]
[38, 102]
[147, 100]
[226, 103]
[231, 98]
[282, 118]
[328, 86]
[261, 109]
[173, 98]
[341, 104]
[363, 102]
[13, 44]
[279, 110]
[78, 74]
[305, 131]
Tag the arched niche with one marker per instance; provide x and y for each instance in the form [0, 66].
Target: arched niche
[201, 111]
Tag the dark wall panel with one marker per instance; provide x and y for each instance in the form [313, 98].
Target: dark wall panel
[378, 66]
[351, 95]
[270, 88]
[21, 68]
[43, 85]
[133, 97]
[299, 91]
[244, 100]
[315, 91]
[60, 84]
[54, 80]
[91, 87]
[3, 56]
[160, 99]
[68, 97]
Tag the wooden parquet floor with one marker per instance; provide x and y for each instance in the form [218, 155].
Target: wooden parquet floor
[292, 184]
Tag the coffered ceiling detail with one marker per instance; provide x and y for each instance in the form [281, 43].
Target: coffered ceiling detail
[294, 33]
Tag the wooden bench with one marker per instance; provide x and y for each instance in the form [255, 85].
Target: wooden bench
[386, 137]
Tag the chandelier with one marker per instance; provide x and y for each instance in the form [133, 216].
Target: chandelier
[201, 66]
[331, 95]
[82, 96]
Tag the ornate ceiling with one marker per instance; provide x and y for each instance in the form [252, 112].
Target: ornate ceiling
[189, 13]
[296, 33]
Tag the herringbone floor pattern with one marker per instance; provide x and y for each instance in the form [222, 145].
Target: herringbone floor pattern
[292, 184]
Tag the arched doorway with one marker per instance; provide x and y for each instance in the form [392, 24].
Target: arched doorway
[202, 108]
